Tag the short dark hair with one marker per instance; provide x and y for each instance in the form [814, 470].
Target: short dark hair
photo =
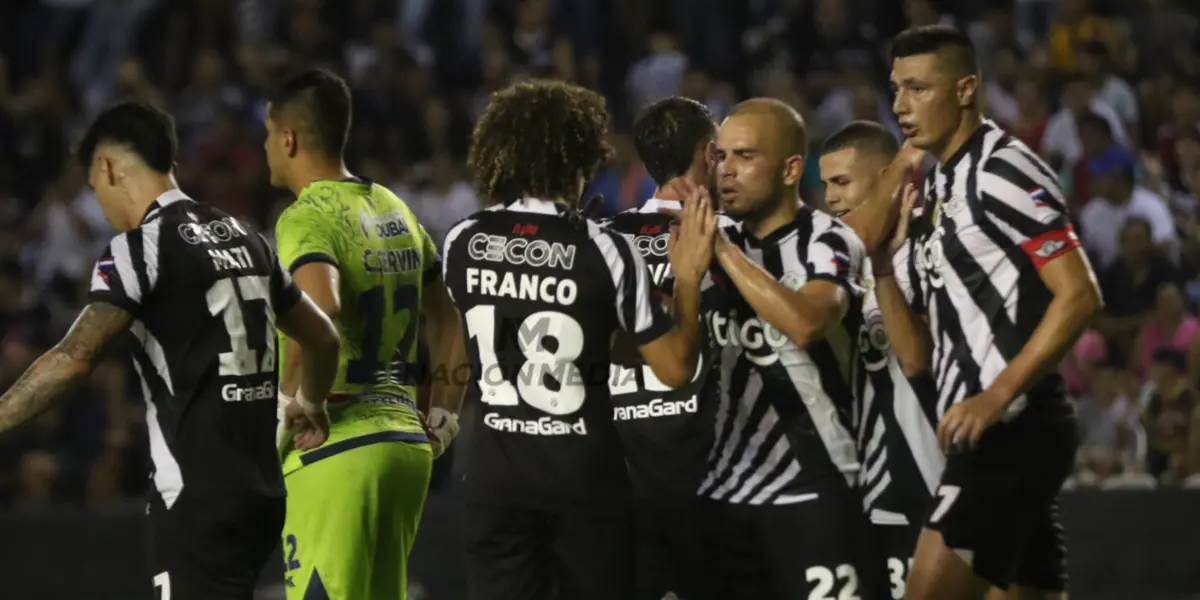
[1095, 121]
[139, 127]
[863, 136]
[317, 103]
[950, 45]
[666, 134]
[538, 138]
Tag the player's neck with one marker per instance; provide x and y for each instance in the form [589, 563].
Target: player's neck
[966, 128]
[145, 191]
[314, 170]
[761, 227]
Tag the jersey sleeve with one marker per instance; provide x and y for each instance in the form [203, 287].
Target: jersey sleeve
[305, 234]
[432, 260]
[127, 271]
[836, 255]
[1022, 199]
[285, 294]
[637, 312]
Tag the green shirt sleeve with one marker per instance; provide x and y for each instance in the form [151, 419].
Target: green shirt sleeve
[430, 257]
[304, 234]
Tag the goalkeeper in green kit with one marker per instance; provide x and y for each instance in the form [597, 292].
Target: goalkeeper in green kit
[356, 464]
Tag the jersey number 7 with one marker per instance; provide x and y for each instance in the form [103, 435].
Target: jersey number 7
[540, 362]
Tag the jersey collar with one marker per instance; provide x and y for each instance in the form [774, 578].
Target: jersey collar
[653, 204]
[168, 197]
[535, 205]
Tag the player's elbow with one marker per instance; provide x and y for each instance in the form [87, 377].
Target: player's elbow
[912, 363]
[672, 359]
[1084, 301]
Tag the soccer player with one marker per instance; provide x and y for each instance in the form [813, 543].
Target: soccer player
[542, 291]
[201, 294]
[786, 518]
[355, 502]
[998, 274]
[667, 433]
[896, 416]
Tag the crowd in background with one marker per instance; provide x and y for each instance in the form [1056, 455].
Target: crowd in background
[1108, 91]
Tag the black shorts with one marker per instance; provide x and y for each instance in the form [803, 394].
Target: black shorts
[896, 544]
[213, 548]
[999, 502]
[817, 548]
[668, 547]
[537, 554]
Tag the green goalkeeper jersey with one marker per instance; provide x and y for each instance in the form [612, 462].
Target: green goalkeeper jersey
[383, 257]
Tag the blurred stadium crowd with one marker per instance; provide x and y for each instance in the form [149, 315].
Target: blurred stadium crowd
[1107, 90]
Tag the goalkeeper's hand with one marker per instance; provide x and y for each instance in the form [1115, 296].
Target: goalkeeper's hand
[441, 426]
[307, 421]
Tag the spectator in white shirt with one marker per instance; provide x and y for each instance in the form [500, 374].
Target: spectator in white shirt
[1096, 64]
[1061, 141]
[1117, 199]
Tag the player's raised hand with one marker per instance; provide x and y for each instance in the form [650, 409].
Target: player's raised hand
[680, 187]
[308, 422]
[691, 252]
[907, 199]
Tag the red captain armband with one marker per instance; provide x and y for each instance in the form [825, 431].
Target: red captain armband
[1051, 245]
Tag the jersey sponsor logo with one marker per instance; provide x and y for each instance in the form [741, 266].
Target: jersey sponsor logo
[387, 225]
[212, 232]
[656, 408]
[525, 229]
[760, 341]
[522, 286]
[232, 392]
[873, 345]
[659, 272]
[542, 426]
[227, 259]
[389, 261]
[650, 245]
[931, 258]
[520, 251]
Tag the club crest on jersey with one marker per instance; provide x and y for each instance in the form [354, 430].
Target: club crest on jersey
[387, 225]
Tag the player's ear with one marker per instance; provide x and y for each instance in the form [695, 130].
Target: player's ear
[793, 170]
[967, 88]
[290, 142]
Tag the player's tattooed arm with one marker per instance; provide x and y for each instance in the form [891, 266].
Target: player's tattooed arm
[64, 366]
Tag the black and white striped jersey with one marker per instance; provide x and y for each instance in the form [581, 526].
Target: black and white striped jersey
[896, 421]
[541, 296]
[203, 289]
[993, 215]
[667, 432]
[784, 419]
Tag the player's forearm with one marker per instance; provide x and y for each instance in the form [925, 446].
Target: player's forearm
[289, 379]
[785, 309]
[42, 386]
[448, 354]
[875, 218]
[687, 322]
[907, 332]
[320, 369]
[1065, 320]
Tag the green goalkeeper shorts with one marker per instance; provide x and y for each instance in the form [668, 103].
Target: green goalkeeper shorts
[352, 519]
